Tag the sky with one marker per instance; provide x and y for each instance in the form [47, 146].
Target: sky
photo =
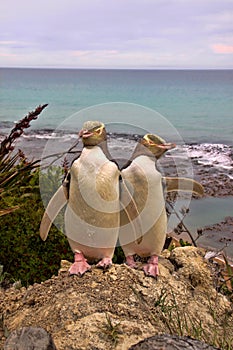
[143, 34]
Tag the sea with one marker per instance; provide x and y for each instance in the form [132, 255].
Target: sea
[198, 103]
[192, 108]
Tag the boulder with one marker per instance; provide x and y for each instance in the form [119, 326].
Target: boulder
[171, 342]
[28, 338]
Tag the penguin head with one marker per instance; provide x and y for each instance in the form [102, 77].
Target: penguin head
[156, 145]
[93, 133]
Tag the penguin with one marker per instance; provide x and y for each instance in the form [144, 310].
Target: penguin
[92, 215]
[145, 183]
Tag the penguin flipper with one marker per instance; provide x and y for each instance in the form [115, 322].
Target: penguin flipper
[56, 203]
[130, 208]
[183, 184]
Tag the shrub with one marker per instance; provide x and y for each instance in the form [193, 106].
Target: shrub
[23, 254]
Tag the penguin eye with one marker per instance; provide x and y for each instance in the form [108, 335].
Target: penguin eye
[98, 131]
[150, 142]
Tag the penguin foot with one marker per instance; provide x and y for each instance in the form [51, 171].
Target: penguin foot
[105, 263]
[151, 268]
[80, 265]
[131, 262]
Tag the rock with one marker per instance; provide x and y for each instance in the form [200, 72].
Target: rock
[120, 307]
[190, 265]
[171, 342]
[28, 338]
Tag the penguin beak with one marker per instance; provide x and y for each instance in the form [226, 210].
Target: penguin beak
[166, 146]
[160, 149]
[84, 133]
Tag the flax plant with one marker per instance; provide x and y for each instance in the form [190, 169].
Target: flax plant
[15, 168]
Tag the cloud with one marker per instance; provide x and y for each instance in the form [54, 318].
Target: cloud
[100, 59]
[126, 33]
[7, 55]
[7, 42]
[222, 49]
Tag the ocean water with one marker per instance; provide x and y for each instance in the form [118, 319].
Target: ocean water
[193, 108]
[197, 103]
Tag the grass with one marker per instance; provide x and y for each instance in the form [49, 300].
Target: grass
[111, 330]
[178, 319]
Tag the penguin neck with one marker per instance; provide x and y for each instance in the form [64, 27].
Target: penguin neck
[141, 150]
[104, 147]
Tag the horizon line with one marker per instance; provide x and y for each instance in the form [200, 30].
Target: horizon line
[114, 68]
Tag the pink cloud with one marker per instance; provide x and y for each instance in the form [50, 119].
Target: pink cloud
[221, 48]
[80, 53]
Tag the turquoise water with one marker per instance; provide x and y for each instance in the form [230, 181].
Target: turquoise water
[198, 103]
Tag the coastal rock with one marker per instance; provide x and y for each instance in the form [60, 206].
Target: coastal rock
[190, 266]
[29, 338]
[120, 307]
[171, 342]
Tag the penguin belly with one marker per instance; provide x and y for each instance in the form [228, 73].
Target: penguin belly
[92, 215]
[145, 183]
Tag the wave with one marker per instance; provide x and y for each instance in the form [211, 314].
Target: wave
[6, 124]
[217, 155]
[49, 136]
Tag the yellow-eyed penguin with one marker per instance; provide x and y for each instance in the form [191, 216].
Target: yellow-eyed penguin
[144, 182]
[92, 215]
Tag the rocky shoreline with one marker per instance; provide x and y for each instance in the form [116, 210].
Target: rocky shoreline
[215, 181]
[211, 164]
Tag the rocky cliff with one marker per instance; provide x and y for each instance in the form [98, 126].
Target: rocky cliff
[118, 308]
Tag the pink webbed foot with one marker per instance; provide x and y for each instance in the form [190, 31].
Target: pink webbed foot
[131, 262]
[105, 263]
[80, 265]
[151, 268]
